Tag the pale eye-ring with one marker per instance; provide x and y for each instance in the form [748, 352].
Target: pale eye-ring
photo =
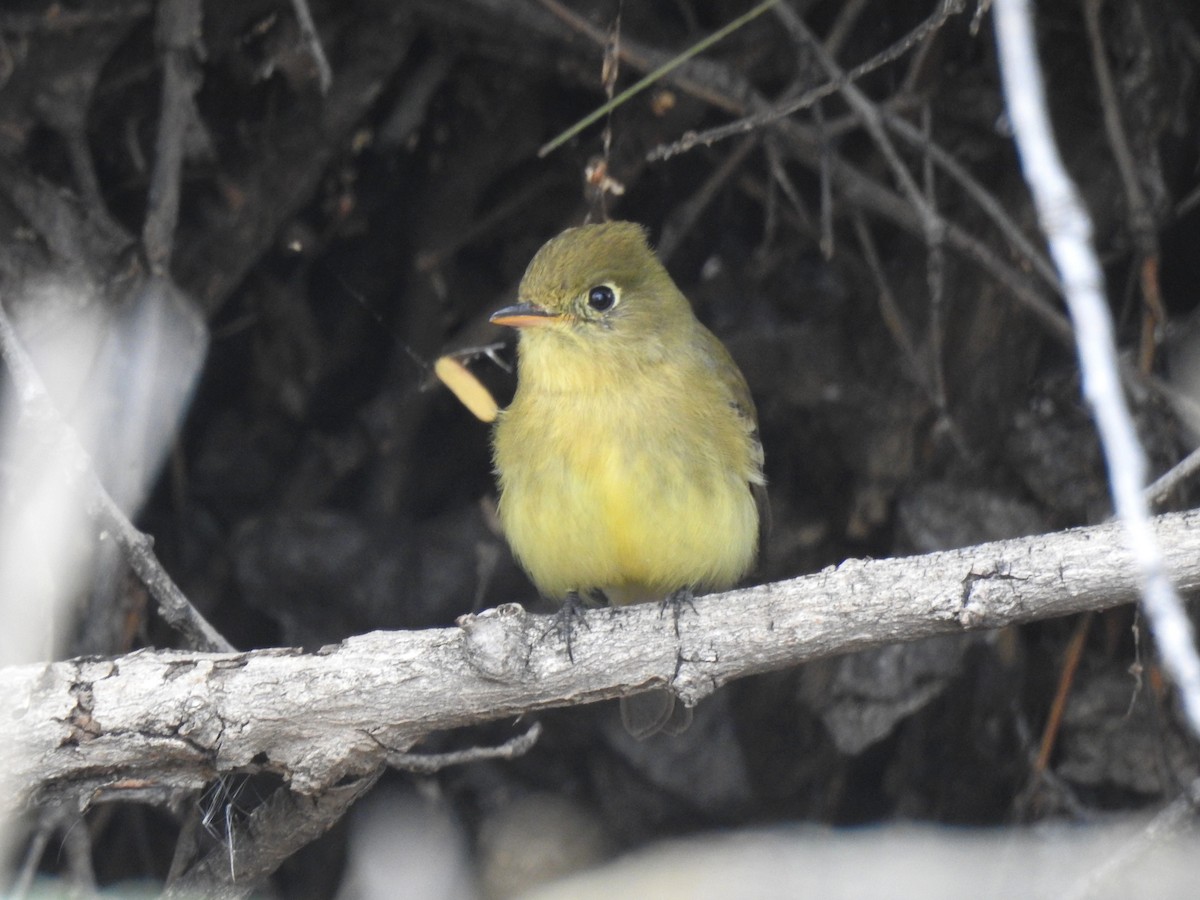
[602, 297]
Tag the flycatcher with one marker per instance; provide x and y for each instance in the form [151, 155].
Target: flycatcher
[629, 458]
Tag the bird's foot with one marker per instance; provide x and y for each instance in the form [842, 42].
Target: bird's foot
[675, 601]
[570, 615]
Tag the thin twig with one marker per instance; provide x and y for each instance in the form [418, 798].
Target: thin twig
[428, 763]
[682, 220]
[1165, 484]
[1068, 231]
[824, 181]
[872, 121]
[855, 186]
[1141, 219]
[312, 40]
[430, 259]
[936, 230]
[1154, 313]
[780, 177]
[48, 825]
[935, 278]
[641, 58]
[657, 75]
[889, 309]
[178, 36]
[769, 114]
[977, 192]
[916, 66]
[859, 189]
[1058, 707]
[846, 19]
[77, 841]
[950, 166]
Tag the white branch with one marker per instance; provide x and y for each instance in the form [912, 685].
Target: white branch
[153, 723]
[1069, 232]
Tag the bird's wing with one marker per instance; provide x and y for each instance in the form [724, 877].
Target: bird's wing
[739, 398]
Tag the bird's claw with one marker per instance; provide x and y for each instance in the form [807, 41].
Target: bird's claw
[676, 601]
[570, 614]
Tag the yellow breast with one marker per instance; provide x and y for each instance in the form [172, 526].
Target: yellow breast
[640, 489]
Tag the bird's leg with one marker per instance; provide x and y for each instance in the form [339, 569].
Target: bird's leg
[570, 614]
[676, 601]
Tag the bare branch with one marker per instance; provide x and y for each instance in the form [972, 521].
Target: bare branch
[1068, 230]
[765, 114]
[428, 763]
[164, 722]
[178, 36]
[312, 40]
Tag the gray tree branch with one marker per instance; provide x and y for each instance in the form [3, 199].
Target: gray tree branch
[154, 724]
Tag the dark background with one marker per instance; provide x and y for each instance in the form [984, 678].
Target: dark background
[323, 484]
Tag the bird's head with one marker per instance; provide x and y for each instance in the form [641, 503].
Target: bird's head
[601, 287]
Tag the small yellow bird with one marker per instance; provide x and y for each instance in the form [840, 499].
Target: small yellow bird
[629, 458]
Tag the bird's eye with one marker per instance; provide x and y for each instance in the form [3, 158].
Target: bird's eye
[602, 298]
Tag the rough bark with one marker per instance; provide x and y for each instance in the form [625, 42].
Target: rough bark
[154, 723]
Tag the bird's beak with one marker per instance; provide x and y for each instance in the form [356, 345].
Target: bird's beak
[524, 315]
